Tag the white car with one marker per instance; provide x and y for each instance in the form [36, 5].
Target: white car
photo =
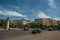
[11, 28]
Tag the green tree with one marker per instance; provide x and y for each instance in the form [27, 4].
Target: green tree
[11, 24]
[28, 25]
[2, 23]
[32, 24]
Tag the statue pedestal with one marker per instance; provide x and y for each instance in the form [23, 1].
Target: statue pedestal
[7, 25]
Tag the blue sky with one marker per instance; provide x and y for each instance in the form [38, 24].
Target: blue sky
[30, 9]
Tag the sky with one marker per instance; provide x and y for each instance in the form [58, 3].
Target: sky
[30, 9]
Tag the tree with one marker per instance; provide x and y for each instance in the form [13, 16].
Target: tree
[11, 24]
[2, 23]
[36, 24]
[32, 24]
[20, 25]
[28, 25]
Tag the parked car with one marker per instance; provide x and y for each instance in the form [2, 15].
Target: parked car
[36, 30]
[11, 29]
[26, 28]
[50, 29]
[58, 28]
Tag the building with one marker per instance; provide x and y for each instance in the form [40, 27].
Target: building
[47, 21]
[58, 23]
[23, 21]
[54, 23]
[38, 21]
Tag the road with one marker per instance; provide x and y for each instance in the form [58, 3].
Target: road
[20, 35]
[7, 34]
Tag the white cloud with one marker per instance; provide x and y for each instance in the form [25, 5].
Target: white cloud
[26, 18]
[11, 13]
[52, 3]
[41, 14]
[57, 19]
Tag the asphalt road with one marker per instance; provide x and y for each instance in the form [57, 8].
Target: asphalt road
[7, 34]
[24, 35]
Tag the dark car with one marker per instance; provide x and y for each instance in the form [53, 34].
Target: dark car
[58, 28]
[36, 30]
[50, 29]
